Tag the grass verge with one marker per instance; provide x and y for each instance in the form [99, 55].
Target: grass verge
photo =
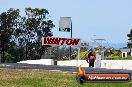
[45, 78]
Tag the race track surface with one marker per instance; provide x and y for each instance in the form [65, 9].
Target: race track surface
[64, 68]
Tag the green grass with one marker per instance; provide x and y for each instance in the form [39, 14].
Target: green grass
[44, 78]
[127, 58]
[2, 64]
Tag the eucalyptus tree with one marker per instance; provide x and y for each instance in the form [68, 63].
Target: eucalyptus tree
[129, 44]
[7, 29]
[36, 24]
[23, 34]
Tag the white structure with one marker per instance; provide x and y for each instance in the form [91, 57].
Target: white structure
[108, 64]
[73, 63]
[98, 61]
[41, 61]
[80, 62]
[117, 64]
[126, 52]
[65, 63]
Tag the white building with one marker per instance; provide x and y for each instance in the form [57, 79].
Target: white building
[126, 52]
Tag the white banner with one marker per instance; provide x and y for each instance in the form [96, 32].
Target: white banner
[65, 24]
[61, 41]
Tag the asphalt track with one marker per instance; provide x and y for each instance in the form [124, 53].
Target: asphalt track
[64, 68]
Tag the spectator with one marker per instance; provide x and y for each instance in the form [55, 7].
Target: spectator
[74, 54]
[91, 59]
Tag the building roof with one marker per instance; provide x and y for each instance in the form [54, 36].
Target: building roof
[125, 50]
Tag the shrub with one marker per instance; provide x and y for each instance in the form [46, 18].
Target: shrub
[9, 58]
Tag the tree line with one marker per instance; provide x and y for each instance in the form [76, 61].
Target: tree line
[20, 35]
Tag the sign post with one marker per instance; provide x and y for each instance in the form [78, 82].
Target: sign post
[65, 25]
[55, 41]
[61, 41]
[71, 37]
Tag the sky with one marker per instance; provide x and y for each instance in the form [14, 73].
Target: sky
[103, 19]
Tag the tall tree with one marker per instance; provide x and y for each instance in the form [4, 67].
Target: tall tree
[23, 34]
[36, 24]
[7, 29]
[129, 44]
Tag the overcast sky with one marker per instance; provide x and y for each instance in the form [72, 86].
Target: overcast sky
[107, 19]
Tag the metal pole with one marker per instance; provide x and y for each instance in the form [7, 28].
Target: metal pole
[130, 43]
[71, 37]
[26, 49]
[71, 29]
[130, 50]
